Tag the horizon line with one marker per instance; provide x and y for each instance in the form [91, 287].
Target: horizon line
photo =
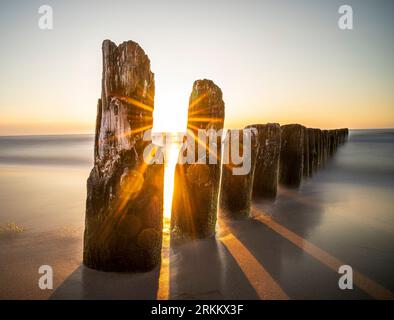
[92, 133]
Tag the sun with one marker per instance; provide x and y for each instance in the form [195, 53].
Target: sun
[170, 119]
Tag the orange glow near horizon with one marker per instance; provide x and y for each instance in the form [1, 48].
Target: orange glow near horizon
[288, 76]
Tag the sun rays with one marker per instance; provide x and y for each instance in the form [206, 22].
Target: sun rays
[171, 159]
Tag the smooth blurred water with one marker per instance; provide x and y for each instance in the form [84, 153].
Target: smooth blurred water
[57, 150]
[43, 180]
[367, 158]
[347, 207]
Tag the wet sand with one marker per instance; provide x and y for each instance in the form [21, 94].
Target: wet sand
[22, 254]
[247, 260]
[289, 250]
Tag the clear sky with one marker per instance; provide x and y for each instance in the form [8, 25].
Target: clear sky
[276, 61]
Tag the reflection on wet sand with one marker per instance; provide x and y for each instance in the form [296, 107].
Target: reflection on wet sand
[163, 289]
[294, 244]
[205, 269]
[295, 272]
[258, 258]
[234, 265]
[202, 269]
[361, 281]
[265, 286]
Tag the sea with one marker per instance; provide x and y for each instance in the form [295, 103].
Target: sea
[346, 208]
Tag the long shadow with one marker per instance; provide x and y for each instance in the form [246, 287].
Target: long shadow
[299, 209]
[298, 274]
[199, 269]
[205, 269]
[89, 284]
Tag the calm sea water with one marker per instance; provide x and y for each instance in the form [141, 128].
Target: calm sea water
[43, 178]
[55, 150]
[345, 209]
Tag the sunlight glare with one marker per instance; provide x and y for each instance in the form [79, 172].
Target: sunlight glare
[172, 153]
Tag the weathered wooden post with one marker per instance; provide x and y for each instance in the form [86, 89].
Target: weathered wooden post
[317, 159]
[331, 136]
[291, 155]
[195, 200]
[329, 144]
[124, 205]
[267, 164]
[241, 149]
[343, 135]
[312, 150]
[306, 172]
[325, 145]
[335, 137]
[321, 148]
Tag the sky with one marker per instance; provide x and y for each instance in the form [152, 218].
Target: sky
[283, 61]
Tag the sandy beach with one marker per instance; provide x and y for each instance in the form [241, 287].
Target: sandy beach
[289, 249]
[163, 151]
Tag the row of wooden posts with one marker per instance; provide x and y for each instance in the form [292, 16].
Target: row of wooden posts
[279, 154]
[124, 203]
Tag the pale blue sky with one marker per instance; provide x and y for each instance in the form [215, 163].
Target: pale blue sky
[284, 61]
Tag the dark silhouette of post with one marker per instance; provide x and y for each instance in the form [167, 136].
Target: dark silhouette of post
[312, 150]
[124, 205]
[196, 192]
[291, 155]
[238, 173]
[318, 150]
[267, 163]
[306, 172]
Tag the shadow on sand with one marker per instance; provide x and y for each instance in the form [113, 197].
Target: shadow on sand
[89, 284]
[300, 275]
[200, 269]
[206, 269]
